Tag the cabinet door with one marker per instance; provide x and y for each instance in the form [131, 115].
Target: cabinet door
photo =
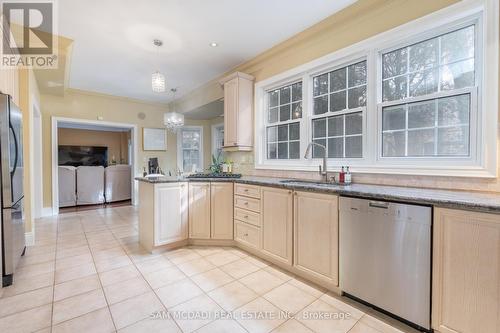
[231, 113]
[277, 223]
[221, 210]
[466, 272]
[316, 235]
[199, 210]
[170, 213]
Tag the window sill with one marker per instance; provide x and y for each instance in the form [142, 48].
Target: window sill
[446, 171]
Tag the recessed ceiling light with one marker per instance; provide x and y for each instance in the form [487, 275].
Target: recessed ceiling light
[214, 44]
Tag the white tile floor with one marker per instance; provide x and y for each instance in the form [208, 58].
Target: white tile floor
[87, 273]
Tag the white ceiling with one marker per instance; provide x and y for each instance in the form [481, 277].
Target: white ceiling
[113, 50]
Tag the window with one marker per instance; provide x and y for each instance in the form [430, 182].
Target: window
[439, 75]
[190, 148]
[341, 95]
[421, 99]
[283, 122]
[217, 139]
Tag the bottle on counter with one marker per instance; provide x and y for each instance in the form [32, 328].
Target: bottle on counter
[342, 175]
[347, 176]
[144, 173]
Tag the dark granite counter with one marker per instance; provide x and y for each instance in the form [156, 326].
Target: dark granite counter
[468, 200]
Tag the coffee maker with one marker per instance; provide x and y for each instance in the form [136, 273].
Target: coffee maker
[153, 166]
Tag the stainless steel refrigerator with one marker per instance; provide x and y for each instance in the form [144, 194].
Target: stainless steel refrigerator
[11, 158]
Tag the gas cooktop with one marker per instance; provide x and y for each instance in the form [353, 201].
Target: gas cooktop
[215, 175]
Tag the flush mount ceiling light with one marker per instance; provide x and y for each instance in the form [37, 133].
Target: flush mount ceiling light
[214, 44]
[157, 78]
[173, 120]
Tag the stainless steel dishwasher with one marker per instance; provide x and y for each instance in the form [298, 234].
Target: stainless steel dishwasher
[385, 256]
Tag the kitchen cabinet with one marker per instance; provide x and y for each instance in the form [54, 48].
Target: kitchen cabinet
[238, 111]
[466, 272]
[316, 236]
[163, 214]
[277, 224]
[221, 207]
[247, 215]
[199, 210]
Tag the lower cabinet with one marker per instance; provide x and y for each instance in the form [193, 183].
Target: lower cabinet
[170, 213]
[210, 210]
[466, 272]
[277, 224]
[247, 234]
[199, 210]
[316, 236]
[221, 210]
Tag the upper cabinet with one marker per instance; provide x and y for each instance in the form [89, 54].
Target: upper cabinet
[238, 111]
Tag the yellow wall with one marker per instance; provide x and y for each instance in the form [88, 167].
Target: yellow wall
[116, 142]
[362, 20]
[28, 97]
[85, 105]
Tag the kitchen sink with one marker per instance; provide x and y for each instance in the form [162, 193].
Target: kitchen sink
[305, 182]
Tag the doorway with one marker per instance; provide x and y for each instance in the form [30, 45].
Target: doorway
[93, 164]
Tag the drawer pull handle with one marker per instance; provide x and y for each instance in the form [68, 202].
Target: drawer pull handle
[246, 217]
[246, 203]
[246, 190]
[246, 235]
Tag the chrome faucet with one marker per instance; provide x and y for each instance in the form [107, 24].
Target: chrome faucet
[323, 172]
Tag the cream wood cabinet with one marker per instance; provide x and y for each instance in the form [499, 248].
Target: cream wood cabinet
[277, 224]
[199, 210]
[316, 236]
[466, 272]
[163, 214]
[238, 111]
[211, 210]
[221, 207]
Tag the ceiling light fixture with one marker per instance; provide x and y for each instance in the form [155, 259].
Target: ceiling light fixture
[157, 78]
[173, 120]
[214, 44]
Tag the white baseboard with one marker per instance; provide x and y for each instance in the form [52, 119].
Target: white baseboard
[47, 211]
[29, 238]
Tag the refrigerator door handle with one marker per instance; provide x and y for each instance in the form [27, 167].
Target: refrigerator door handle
[16, 150]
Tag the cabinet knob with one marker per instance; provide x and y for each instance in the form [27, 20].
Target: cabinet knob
[246, 203]
[246, 235]
[246, 190]
[246, 216]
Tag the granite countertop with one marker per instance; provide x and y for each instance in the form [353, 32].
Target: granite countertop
[468, 200]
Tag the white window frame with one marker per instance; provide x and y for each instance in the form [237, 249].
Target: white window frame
[180, 157]
[483, 129]
[215, 128]
[339, 162]
[285, 122]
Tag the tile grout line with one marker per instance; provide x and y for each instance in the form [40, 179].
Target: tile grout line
[99, 279]
[54, 280]
[142, 275]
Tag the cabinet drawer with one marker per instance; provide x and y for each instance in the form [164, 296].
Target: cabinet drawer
[247, 216]
[247, 234]
[247, 190]
[247, 203]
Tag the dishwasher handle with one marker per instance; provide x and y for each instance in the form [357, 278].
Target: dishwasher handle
[379, 204]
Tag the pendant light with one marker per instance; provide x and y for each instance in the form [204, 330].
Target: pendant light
[157, 78]
[173, 120]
